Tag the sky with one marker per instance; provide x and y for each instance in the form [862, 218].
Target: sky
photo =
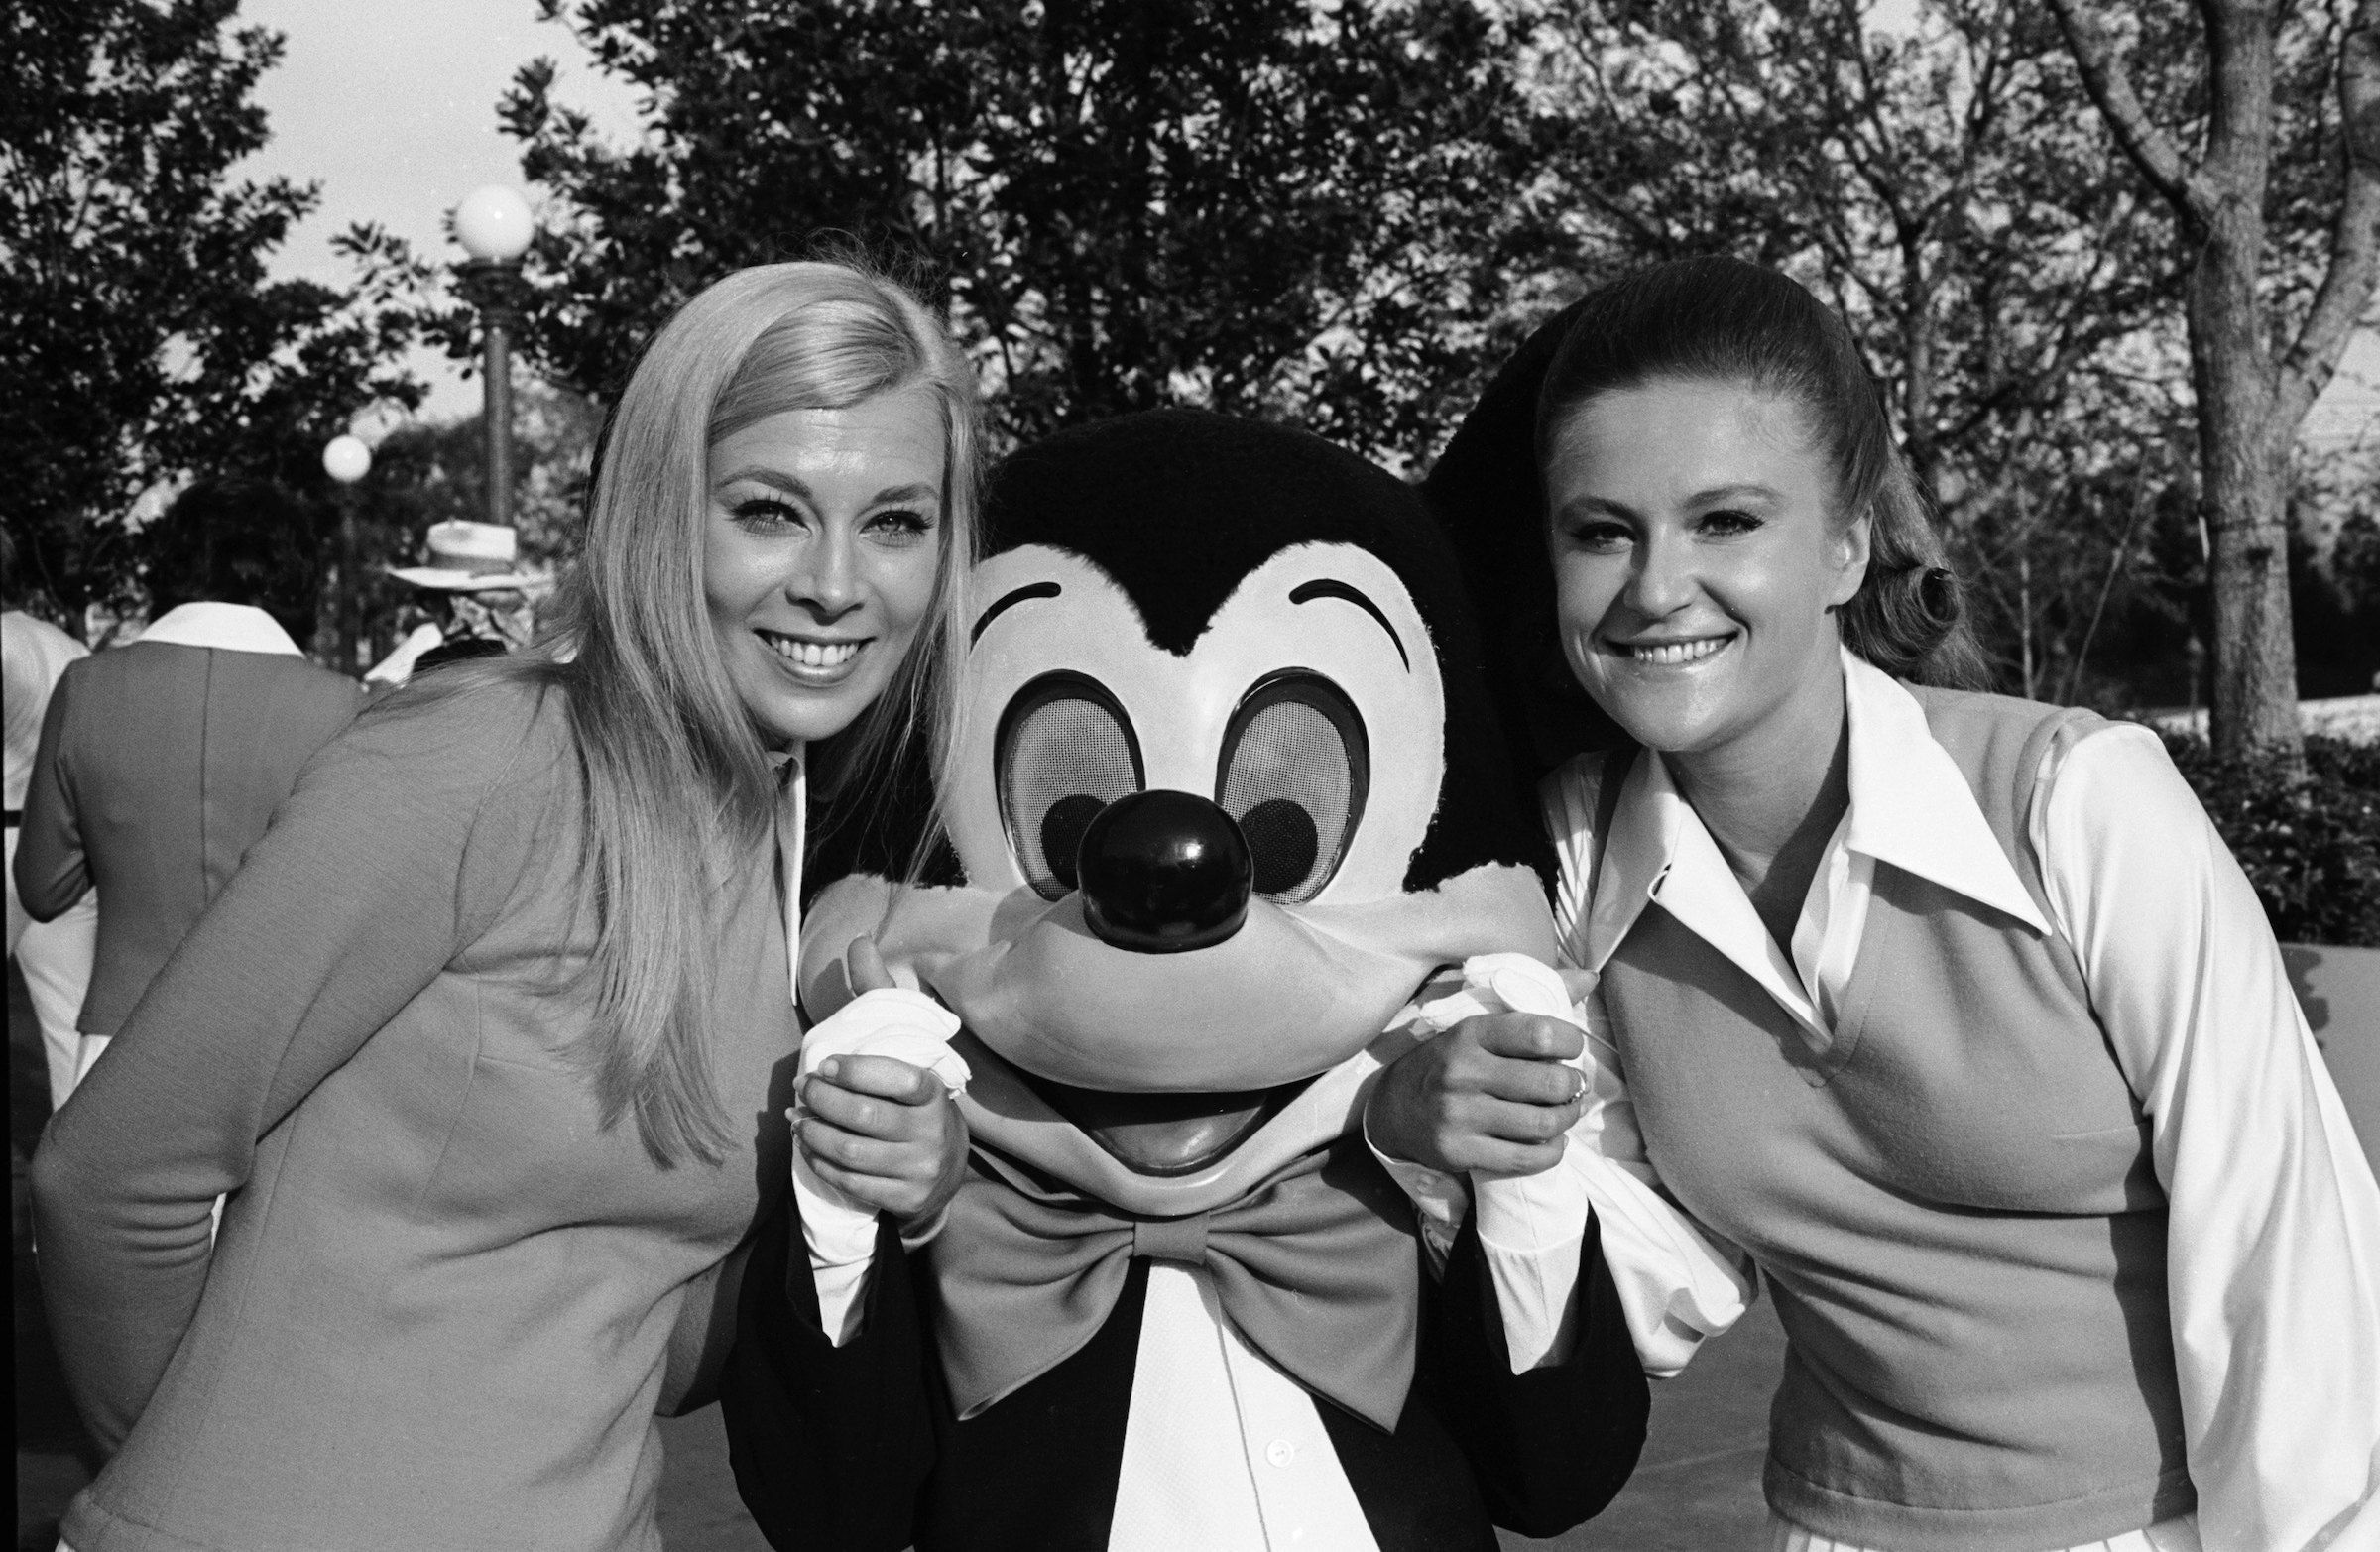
[391, 105]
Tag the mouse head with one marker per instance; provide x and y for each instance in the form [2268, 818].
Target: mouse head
[1226, 790]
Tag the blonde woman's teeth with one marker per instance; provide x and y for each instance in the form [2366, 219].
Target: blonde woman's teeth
[1671, 653]
[812, 655]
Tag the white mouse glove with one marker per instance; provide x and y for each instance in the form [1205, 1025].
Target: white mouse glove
[909, 1026]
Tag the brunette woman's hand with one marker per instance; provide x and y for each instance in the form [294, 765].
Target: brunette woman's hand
[1491, 1093]
[884, 1132]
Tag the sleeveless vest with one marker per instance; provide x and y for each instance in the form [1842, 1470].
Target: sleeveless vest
[1953, 1204]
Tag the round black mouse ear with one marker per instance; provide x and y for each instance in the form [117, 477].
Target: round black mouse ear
[1488, 498]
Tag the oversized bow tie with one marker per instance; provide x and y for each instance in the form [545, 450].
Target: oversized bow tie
[1316, 1269]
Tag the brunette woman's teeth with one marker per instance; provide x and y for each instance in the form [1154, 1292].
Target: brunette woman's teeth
[812, 655]
[1671, 653]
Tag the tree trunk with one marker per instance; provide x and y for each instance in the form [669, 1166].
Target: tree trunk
[2249, 404]
[2243, 464]
[2242, 455]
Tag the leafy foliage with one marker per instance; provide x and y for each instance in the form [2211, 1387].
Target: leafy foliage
[2310, 844]
[1344, 214]
[144, 340]
[1267, 207]
[1939, 173]
[2280, 243]
[2335, 572]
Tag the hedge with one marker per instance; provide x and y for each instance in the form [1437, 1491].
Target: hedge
[2312, 844]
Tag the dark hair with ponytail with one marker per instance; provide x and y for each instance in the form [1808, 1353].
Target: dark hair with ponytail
[1727, 322]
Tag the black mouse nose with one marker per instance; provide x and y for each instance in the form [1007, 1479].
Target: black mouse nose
[1163, 871]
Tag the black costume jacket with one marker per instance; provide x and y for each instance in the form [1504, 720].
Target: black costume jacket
[857, 1446]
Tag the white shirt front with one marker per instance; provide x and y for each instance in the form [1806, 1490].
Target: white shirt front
[1221, 1448]
[2273, 1252]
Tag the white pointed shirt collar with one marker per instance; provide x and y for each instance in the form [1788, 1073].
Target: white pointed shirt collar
[790, 766]
[238, 628]
[1909, 807]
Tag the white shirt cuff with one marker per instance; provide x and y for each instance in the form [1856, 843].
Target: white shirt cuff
[1440, 1200]
[840, 1234]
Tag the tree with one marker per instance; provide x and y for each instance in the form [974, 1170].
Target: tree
[1269, 207]
[143, 337]
[2252, 391]
[2335, 572]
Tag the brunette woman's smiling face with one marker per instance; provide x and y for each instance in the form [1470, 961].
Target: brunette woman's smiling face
[1696, 559]
[820, 550]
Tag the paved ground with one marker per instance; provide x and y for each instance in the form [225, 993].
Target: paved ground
[1697, 1490]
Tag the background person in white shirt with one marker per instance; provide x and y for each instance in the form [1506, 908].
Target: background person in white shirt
[1951, 1009]
[55, 955]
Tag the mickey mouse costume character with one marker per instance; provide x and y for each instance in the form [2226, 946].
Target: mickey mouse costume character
[1228, 794]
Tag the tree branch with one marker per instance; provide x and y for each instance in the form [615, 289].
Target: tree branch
[2347, 289]
[2149, 147]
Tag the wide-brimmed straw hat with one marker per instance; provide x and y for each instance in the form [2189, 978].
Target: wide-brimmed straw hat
[470, 557]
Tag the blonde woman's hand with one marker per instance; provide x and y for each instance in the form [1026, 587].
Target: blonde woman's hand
[883, 1131]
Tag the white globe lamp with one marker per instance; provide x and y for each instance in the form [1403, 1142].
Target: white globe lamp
[494, 223]
[346, 459]
[494, 227]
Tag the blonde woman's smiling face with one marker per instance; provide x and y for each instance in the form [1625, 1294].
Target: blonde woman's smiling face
[1695, 561]
[820, 550]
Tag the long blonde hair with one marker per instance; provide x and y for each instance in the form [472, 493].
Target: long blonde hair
[674, 769]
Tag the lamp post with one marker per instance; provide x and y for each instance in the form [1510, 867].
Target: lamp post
[494, 227]
[346, 459]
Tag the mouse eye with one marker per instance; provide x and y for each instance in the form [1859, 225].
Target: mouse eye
[1064, 751]
[1296, 766]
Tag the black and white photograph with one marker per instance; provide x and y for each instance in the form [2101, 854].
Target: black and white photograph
[1192, 775]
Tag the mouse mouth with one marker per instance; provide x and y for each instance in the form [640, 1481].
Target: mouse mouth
[1166, 1134]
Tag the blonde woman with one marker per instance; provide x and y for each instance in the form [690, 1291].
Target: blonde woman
[481, 1040]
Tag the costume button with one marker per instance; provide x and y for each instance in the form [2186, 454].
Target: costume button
[1280, 1452]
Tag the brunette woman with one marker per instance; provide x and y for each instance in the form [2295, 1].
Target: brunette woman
[480, 1040]
[1951, 1010]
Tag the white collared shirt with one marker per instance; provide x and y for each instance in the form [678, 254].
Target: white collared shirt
[1221, 1447]
[36, 653]
[2273, 1249]
[1909, 807]
[237, 628]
